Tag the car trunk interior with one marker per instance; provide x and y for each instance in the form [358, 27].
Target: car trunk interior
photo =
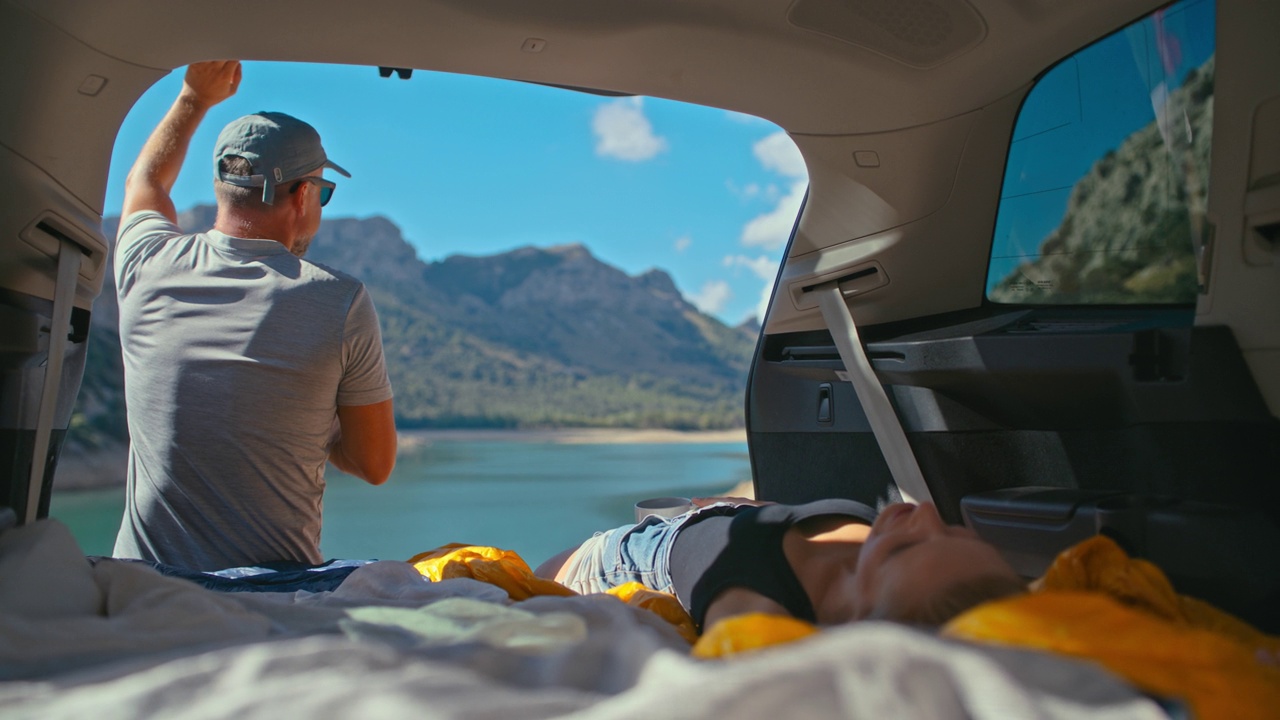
[1036, 425]
[1042, 425]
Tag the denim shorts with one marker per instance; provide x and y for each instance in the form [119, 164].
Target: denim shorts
[630, 553]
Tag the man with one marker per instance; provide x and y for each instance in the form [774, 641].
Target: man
[246, 367]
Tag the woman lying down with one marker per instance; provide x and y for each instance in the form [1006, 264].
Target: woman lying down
[741, 567]
[826, 562]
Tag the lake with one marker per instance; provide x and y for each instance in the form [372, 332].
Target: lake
[532, 493]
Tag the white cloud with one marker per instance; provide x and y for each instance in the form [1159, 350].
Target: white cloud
[682, 243]
[743, 118]
[746, 192]
[712, 298]
[771, 230]
[762, 306]
[764, 268]
[778, 153]
[622, 131]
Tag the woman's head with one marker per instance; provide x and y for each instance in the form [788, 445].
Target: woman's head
[916, 569]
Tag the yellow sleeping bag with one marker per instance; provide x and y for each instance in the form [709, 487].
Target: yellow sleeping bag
[509, 571]
[1097, 603]
[492, 565]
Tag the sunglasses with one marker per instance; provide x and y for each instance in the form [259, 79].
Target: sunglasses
[326, 188]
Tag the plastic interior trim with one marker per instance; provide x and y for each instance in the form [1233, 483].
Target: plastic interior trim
[875, 402]
[69, 257]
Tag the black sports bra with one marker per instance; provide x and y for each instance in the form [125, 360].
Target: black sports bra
[744, 549]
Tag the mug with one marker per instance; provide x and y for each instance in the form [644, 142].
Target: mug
[667, 507]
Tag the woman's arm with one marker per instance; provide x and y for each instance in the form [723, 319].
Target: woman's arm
[740, 601]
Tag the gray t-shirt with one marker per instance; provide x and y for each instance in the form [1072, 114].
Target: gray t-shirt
[236, 355]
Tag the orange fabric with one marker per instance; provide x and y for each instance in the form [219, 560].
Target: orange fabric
[664, 605]
[495, 566]
[1097, 603]
[750, 632]
[509, 571]
[1101, 565]
[1218, 676]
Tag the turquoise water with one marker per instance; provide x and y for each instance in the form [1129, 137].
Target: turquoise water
[535, 498]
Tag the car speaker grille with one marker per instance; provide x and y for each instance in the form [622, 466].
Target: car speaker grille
[920, 33]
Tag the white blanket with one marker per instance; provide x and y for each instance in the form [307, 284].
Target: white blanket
[119, 640]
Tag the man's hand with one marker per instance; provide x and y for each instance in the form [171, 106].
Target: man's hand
[212, 82]
[156, 169]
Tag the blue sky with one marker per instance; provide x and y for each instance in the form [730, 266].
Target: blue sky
[477, 166]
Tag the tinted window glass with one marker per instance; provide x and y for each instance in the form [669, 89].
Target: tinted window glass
[1104, 191]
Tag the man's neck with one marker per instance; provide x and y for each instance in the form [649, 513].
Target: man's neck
[250, 227]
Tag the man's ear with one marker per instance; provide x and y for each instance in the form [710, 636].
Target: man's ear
[298, 200]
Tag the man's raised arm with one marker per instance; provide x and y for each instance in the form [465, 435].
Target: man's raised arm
[156, 170]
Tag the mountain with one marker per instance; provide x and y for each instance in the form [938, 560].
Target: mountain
[1127, 233]
[528, 338]
[539, 337]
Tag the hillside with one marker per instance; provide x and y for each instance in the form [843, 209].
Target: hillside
[1126, 235]
[528, 338]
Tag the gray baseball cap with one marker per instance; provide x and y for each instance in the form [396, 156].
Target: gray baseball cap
[279, 148]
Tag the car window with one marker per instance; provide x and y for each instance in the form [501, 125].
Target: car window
[1104, 190]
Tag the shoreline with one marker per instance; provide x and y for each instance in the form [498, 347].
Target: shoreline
[85, 471]
[411, 439]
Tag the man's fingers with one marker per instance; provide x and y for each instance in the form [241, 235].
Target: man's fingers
[229, 70]
[214, 80]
